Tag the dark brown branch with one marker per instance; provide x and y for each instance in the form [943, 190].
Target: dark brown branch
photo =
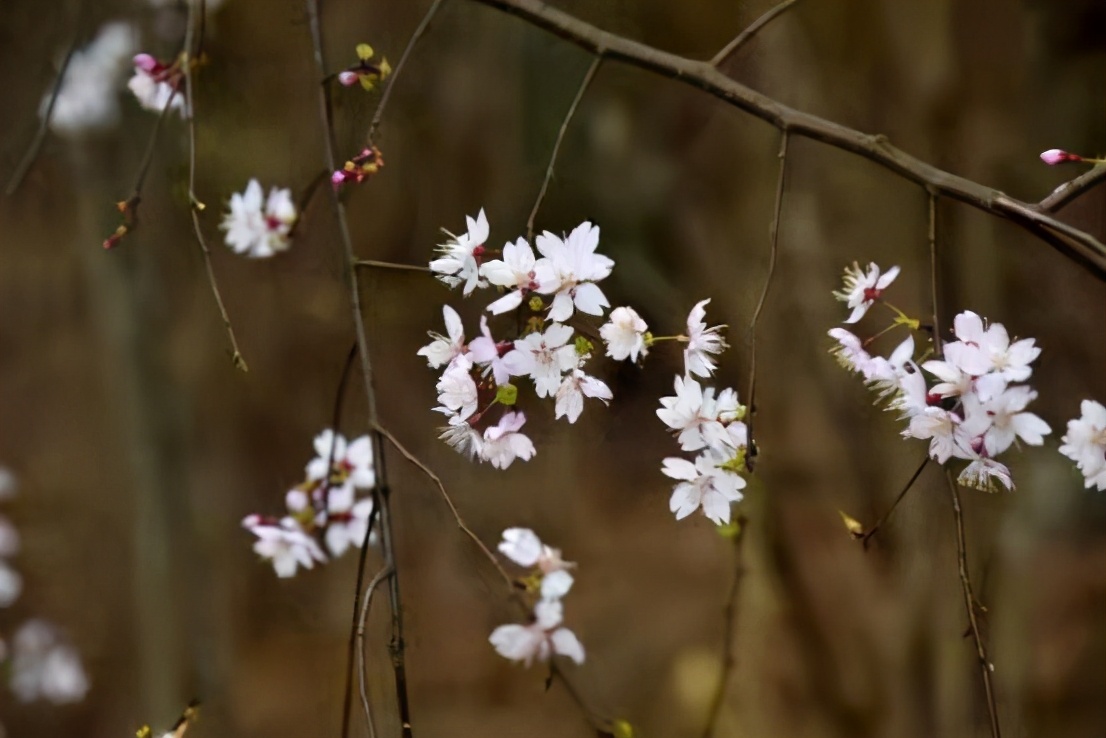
[557, 145]
[772, 257]
[193, 48]
[387, 94]
[970, 605]
[729, 619]
[1072, 189]
[867, 535]
[383, 504]
[748, 33]
[31, 154]
[1072, 242]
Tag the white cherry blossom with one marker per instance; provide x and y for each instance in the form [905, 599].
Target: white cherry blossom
[44, 667]
[703, 484]
[87, 97]
[863, 288]
[156, 85]
[574, 388]
[352, 461]
[1002, 419]
[443, 349]
[465, 439]
[497, 357]
[285, 545]
[545, 357]
[699, 416]
[624, 333]
[982, 474]
[1085, 443]
[575, 268]
[703, 342]
[462, 256]
[517, 270]
[347, 519]
[259, 227]
[540, 639]
[457, 391]
[503, 443]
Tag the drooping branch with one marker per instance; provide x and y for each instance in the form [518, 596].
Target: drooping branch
[754, 28]
[729, 619]
[1074, 243]
[1072, 189]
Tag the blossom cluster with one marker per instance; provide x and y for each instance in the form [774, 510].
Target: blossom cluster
[972, 407]
[1085, 443]
[322, 510]
[39, 662]
[477, 374]
[549, 580]
[260, 226]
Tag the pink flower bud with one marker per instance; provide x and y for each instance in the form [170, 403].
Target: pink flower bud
[1056, 156]
[348, 78]
[338, 178]
[146, 63]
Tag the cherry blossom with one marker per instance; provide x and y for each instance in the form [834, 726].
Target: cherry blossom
[625, 335]
[464, 438]
[86, 97]
[1002, 419]
[43, 667]
[462, 256]
[545, 357]
[943, 429]
[863, 288]
[156, 84]
[503, 443]
[1006, 360]
[347, 519]
[540, 639]
[522, 546]
[574, 388]
[259, 229]
[457, 391]
[352, 461]
[702, 342]
[519, 271]
[443, 349]
[1085, 443]
[699, 416]
[850, 353]
[497, 356]
[356, 170]
[703, 484]
[285, 545]
[982, 474]
[575, 268]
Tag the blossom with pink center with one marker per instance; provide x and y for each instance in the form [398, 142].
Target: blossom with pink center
[462, 256]
[863, 287]
[517, 270]
[575, 268]
[498, 357]
[156, 85]
[257, 226]
[503, 443]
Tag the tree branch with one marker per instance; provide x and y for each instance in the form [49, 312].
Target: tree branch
[366, 603]
[754, 28]
[867, 535]
[729, 619]
[772, 257]
[374, 264]
[1072, 189]
[970, 605]
[1078, 245]
[557, 145]
[387, 543]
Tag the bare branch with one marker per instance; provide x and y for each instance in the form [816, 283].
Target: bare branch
[1072, 189]
[387, 94]
[752, 30]
[426, 470]
[557, 145]
[387, 543]
[772, 257]
[1072, 242]
[970, 605]
[729, 619]
[934, 270]
[374, 264]
[867, 535]
[365, 605]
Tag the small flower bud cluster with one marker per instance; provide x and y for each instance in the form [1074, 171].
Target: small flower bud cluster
[974, 410]
[323, 508]
[477, 374]
[365, 72]
[39, 662]
[359, 168]
[549, 581]
[707, 423]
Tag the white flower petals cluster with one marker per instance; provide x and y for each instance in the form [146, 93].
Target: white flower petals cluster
[477, 375]
[711, 425]
[974, 411]
[627, 337]
[40, 664]
[1085, 443]
[156, 84]
[544, 636]
[323, 510]
[259, 226]
[87, 98]
[863, 287]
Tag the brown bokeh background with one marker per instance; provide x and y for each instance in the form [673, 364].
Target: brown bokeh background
[139, 447]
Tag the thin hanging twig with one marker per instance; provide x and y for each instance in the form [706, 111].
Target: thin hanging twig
[752, 30]
[557, 144]
[366, 602]
[374, 264]
[729, 619]
[772, 257]
[867, 535]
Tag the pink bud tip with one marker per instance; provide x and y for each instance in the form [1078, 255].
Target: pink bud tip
[338, 177]
[348, 78]
[145, 62]
[251, 521]
[1056, 156]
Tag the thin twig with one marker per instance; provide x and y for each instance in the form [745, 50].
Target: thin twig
[867, 535]
[934, 270]
[374, 264]
[729, 619]
[365, 604]
[387, 94]
[772, 255]
[195, 33]
[1080, 246]
[429, 473]
[557, 144]
[33, 149]
[387, 543]
[970, 605]
[603, 725]
[751, 31]
[1072, 189]
[351, 646]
